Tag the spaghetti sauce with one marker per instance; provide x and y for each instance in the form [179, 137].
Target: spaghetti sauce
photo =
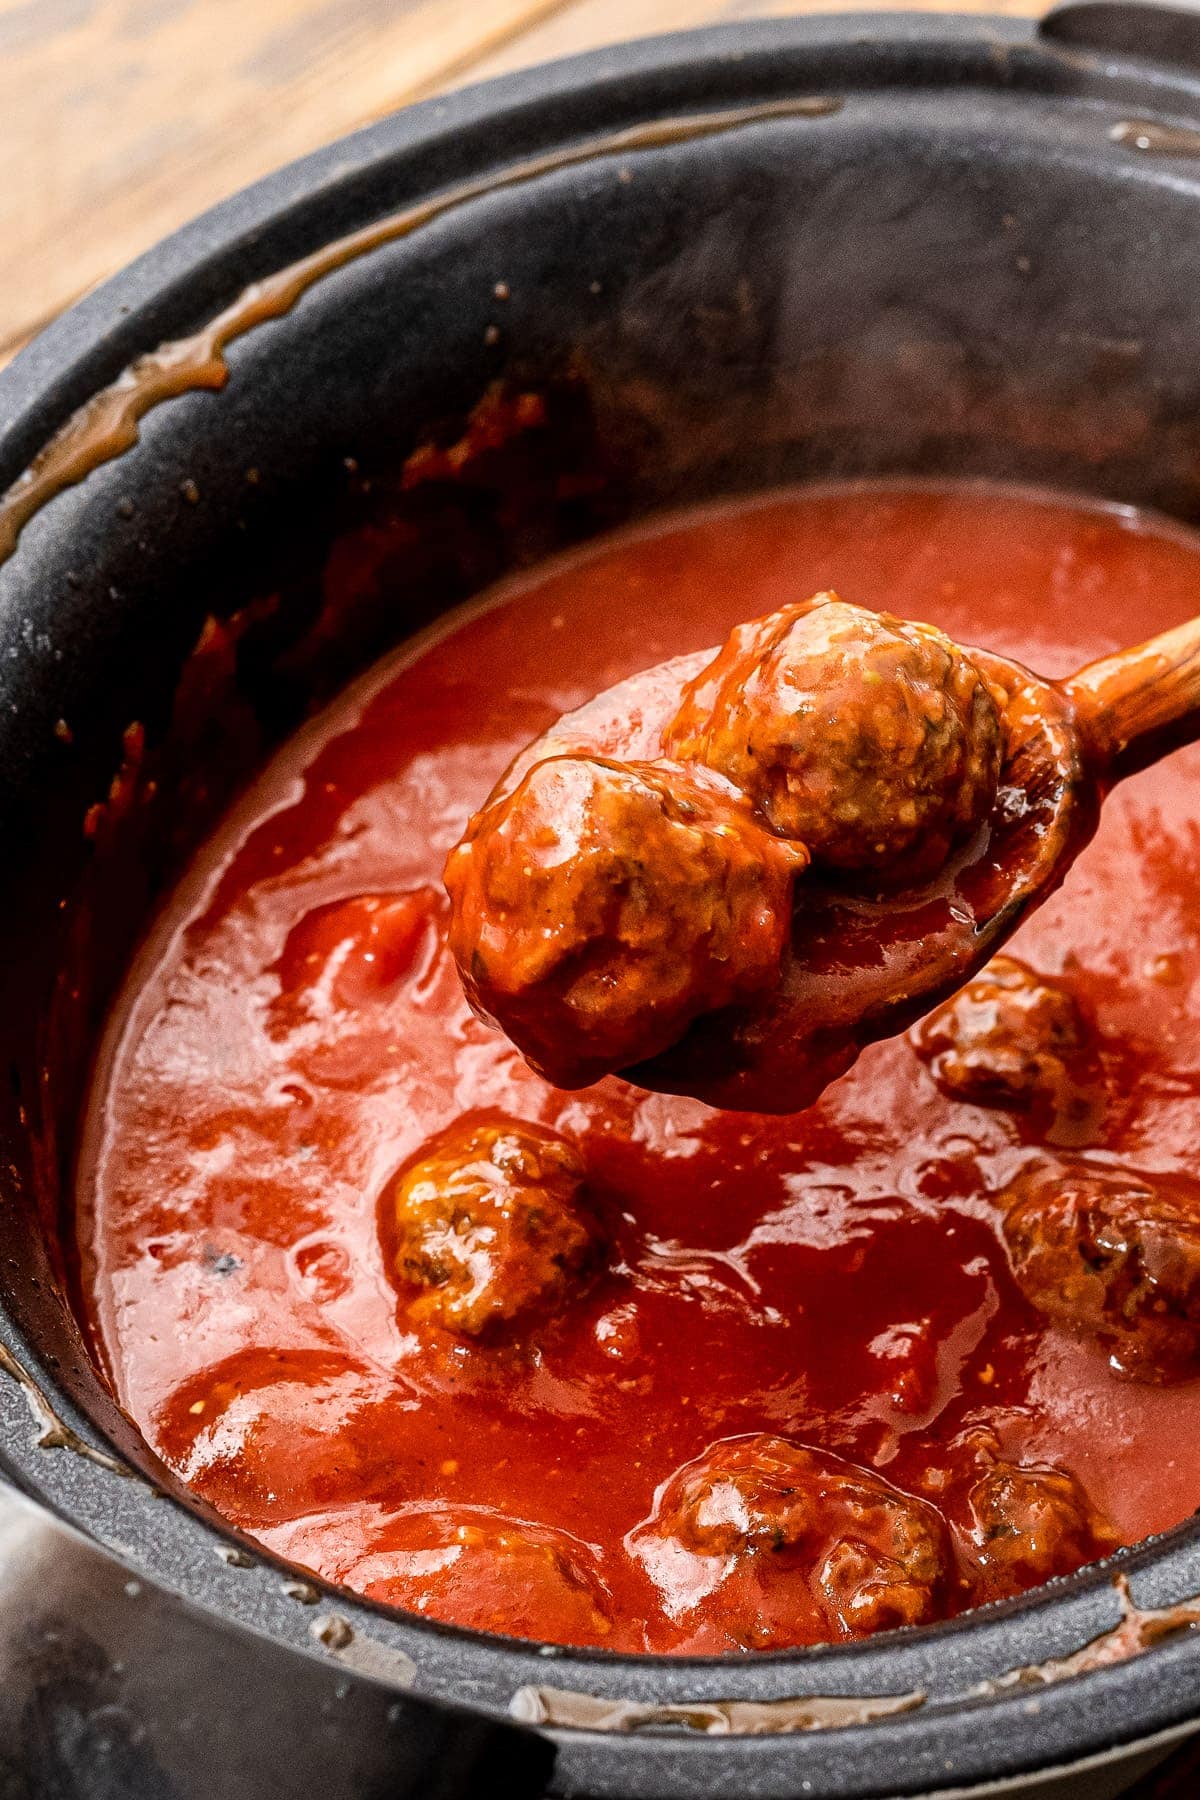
[610, 1367]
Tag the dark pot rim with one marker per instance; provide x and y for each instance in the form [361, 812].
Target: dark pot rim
[955, 1739]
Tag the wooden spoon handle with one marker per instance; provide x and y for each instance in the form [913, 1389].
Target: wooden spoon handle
[1137, 705]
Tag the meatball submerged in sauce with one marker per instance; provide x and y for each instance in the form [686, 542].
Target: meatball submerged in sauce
[776, 1542]
[764, 1541]
[486, 1225]
[1115, 1255]
[601, 907]
[1017, 1039]
[487, 1573]
[1029, 1523]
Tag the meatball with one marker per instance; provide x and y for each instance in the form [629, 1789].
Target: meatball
[274, 1432]
[1011, 1037]
[487, 1222]
[1115, 1254]
[1029, 1524]
[743, 1495]
[600, 907]
[811, 1531]
[874, 741]
[487, 1572]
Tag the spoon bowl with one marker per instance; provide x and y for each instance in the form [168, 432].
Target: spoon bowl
[863, 966]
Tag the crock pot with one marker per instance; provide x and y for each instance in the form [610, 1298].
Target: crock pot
[841, 246]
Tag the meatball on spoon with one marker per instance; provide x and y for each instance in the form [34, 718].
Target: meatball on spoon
[728, 874]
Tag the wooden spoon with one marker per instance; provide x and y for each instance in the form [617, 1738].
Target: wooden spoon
[860, 968]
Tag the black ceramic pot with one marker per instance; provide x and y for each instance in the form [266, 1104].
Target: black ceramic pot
[892, 243]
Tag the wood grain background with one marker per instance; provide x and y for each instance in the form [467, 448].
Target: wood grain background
[120, 119]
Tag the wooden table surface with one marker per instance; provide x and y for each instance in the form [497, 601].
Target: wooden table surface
[120, 119]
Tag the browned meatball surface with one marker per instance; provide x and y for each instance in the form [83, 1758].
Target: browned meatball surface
[486, 1224]
[873, 740]
[1115, 1254]
[1028, 1524]
[788, 1531]
[1011, 1037]
[601, 907]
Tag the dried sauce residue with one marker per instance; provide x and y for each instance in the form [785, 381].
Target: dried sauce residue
[107, 425]
[716, 1718]
[53, 1432]
[1139, 1628]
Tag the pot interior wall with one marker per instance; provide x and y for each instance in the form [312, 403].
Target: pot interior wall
[992, 289]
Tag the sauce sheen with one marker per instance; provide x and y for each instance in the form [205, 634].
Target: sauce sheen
[295, 1032]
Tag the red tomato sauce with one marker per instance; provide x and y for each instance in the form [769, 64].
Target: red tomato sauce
[294, 1032]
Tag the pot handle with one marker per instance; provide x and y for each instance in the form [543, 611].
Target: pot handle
[1142, 28]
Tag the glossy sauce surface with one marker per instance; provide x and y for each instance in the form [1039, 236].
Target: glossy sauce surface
[295, 1032]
